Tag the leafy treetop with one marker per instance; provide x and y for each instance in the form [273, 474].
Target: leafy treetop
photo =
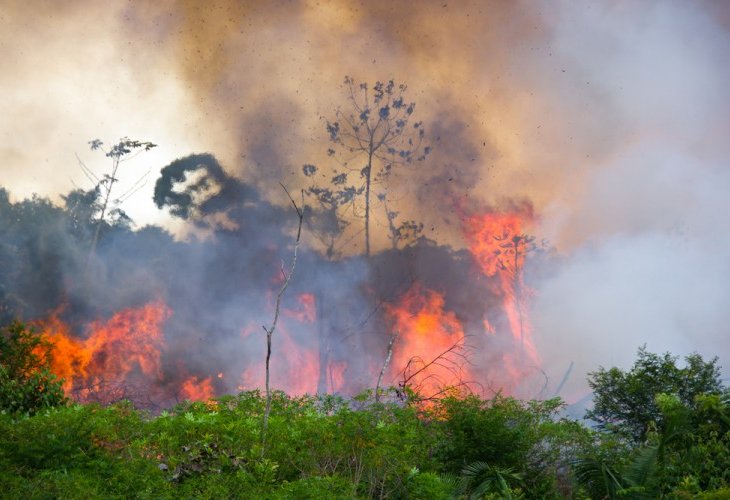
[625, 401]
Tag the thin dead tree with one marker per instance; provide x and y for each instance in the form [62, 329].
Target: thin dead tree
[385, 365]
[120, 152]
[270, 330]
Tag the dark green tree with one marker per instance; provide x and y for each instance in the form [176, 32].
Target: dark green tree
[625, 401]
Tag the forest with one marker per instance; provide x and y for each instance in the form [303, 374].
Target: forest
[109, 354]
[394, 362]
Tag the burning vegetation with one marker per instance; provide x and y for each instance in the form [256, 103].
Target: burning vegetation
[156, 320]
[139, 315]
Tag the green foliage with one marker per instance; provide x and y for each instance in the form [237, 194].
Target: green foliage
[624, 401]
[480, 478]
[524, 438]
[598, 478]
[314, 488]
[676, 422]
[685, 456]
[26, 382]
[430, 486]
[499, 431]
[719, 494]
[331, 447]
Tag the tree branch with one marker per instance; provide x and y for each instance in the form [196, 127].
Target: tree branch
[270, 331]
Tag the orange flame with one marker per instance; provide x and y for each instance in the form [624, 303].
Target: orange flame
[128, 342]
[197, 390]
[429, 341]
[500, 247]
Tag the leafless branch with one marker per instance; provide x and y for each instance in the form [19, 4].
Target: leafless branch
[270, 330]
[415, 374]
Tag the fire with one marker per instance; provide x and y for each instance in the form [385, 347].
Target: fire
[499, 246]
[429, 344]
[128, 343]
[489, 235]
[294, 366]
[306, 312]
[197, 390]
[429, 353]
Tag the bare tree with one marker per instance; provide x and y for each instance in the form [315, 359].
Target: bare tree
[287, 276]
[370, 138]
[385, 366]
[120, 152]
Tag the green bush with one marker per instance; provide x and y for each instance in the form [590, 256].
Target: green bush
[315, 488]
[430, 486]
[330, 447]
[26, 382]
[51, 440]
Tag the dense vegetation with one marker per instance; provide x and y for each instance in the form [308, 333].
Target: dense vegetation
[462, 446]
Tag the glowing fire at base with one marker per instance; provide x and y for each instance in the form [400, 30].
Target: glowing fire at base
[428, 353]
[126, 345]
[198, 390]
[296, 366]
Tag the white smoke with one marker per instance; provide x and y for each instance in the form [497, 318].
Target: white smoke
[646, 237]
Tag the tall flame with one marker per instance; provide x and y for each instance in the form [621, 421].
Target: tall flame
[128, 343]
[500, 247]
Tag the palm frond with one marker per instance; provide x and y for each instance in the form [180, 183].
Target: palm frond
[479, 478]
[597, 477]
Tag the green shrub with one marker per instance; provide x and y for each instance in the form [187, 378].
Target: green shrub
[315, 488]
[429, 486]
[26, 382]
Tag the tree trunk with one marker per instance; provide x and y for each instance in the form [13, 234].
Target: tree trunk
[367, 200]
[323, 337]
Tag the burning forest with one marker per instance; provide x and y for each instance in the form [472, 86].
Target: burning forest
[494, 200]
[156, 320]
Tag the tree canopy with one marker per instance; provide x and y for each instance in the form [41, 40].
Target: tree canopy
[625, 401]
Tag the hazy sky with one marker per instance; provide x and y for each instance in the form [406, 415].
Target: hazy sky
[610, 116]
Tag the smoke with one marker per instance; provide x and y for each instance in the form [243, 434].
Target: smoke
[609, 117]
[645, 235]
